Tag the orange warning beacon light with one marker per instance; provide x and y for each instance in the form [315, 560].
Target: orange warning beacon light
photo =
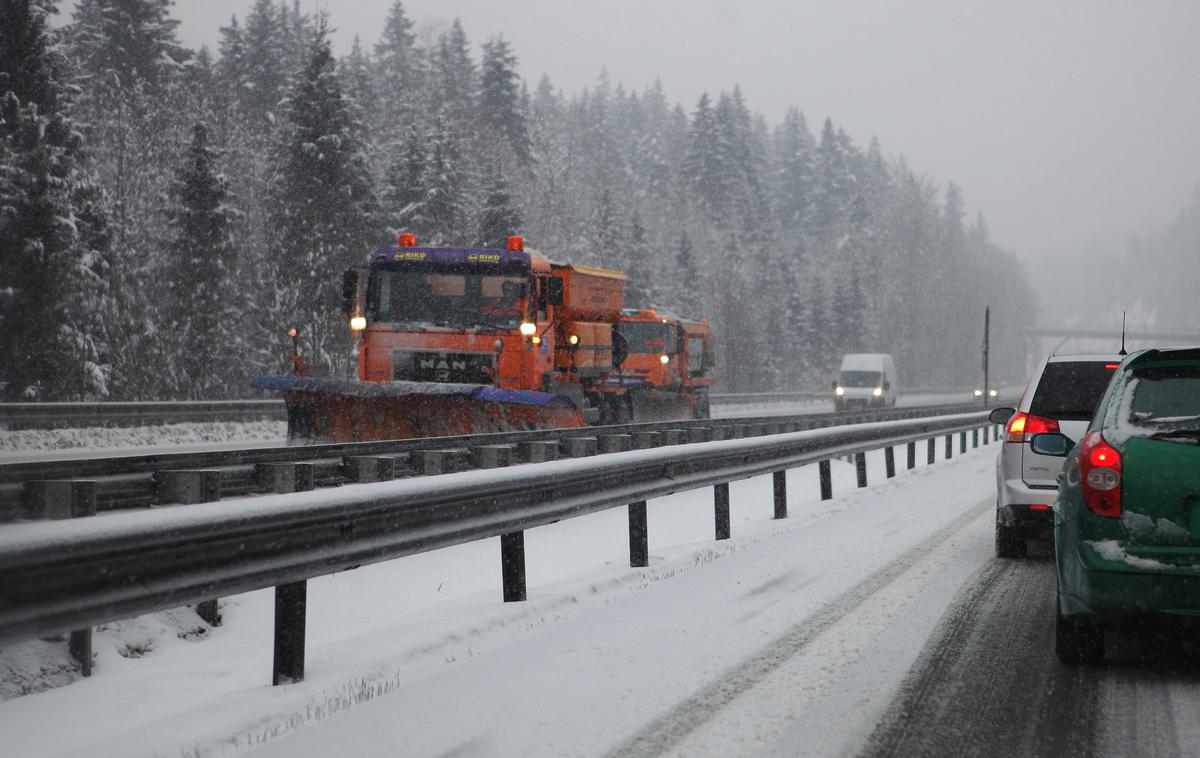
[408, 239]
[516, 243]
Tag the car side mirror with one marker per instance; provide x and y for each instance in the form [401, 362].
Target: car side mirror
[1001, 415]
[554, 291]
[834, 383]
[1050, 443]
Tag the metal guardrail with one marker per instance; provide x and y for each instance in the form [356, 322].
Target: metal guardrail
[72, 574]
[35, 489]
[14, 416]
[73, 415]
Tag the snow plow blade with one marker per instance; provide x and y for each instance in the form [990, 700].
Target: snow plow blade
[340, 410]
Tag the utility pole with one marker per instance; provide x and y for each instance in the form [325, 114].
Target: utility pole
[987, 388]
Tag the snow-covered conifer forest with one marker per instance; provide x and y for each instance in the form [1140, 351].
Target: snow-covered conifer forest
[166, 213]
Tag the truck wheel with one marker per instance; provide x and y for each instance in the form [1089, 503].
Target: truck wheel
[1010, 543]
[1077, 640]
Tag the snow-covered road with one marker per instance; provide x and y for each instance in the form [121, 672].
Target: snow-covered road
[803, 626]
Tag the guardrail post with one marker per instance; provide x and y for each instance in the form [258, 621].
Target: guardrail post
[779, 479]
[512, 565]
[949, 446]
[974, 438]
[615, 443]
[364, 469]
[281, 478]
[291, 600]
[860, 468]
[889, 461]
[539, 451]
[578, 447]
[985, 433]
[291, 610]
[962, 442]
[64, 499]
[491, 456]
[932, 450]
[191, 487]
[188, 486]
[646, 440]
[912, 454]
[826, 477]
[639, 536]
[996, 433]
[721, 510]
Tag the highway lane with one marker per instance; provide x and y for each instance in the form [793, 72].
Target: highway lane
[988, 683]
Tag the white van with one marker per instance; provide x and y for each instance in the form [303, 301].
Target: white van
[865, 379]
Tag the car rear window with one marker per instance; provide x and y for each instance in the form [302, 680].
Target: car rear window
[1165, 395]
[1071, 390]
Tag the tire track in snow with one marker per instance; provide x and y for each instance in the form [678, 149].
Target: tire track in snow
[688, 715]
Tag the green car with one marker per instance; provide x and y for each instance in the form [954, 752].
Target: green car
[1127, 520]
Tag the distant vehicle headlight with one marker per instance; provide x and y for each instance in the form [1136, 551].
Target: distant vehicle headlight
[358, 323]
[992, 393]
[978, 393]
[877, 392]
[528, 328]
[664, 359]
[839, 391]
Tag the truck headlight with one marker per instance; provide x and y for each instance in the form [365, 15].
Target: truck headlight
[877, 392]
[528, 328]
[839, 391]
[664, 359]
[357, 324]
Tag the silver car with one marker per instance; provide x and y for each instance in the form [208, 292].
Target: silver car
[1061, 396]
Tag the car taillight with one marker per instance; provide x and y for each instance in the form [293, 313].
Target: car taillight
[1100, 475]
[1022, 426]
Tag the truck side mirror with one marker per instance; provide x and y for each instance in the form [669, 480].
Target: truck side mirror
[349, 291]
[554, 290]
[833, 384]
[887, 385]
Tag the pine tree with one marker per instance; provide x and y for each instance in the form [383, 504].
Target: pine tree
[499, 217]
[50, 341]
[406, 187]
[117, 43]
[444, 204]
[640, 291]
[399, 75]
[265, 61]
[203, 309]
[686, 280]
[455, 81]
[500, 112]
[327, 214]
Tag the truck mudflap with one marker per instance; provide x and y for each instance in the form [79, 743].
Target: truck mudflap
[341, 410]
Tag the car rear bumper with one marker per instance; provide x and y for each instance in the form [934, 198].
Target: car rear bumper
[1029, 518]
[1095, 585]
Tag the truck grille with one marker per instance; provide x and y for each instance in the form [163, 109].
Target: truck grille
[443, 366]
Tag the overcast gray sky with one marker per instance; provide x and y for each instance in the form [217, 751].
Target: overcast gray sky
[1070, 122]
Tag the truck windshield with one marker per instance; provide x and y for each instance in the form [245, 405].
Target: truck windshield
[459, 300]
[861, 379]
[648, 337]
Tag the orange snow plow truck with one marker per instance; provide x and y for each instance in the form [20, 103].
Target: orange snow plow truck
[465, 341]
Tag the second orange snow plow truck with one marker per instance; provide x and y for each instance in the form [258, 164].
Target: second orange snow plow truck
[467, 340]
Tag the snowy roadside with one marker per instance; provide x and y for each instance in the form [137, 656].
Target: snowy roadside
[157, 692]
[42, 444]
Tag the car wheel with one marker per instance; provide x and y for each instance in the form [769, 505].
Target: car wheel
[1010, 543]
[1077, 640]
